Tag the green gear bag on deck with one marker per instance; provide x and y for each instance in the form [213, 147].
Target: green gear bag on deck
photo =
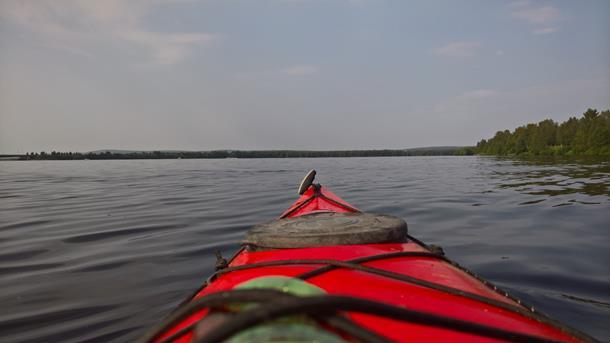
[287, 329]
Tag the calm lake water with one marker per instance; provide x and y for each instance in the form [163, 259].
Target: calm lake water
[100, 251]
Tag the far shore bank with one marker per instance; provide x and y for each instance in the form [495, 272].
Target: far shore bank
[220, 154]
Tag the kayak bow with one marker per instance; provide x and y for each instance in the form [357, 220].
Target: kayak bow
[326, 272]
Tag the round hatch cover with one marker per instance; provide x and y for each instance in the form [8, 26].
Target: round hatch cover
[326, 229]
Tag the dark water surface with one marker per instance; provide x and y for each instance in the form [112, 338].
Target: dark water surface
[102, 250]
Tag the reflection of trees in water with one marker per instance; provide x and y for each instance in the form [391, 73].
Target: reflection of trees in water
[554, 177]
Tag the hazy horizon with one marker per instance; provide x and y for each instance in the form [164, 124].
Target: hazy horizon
[292, 74]
[201, 150]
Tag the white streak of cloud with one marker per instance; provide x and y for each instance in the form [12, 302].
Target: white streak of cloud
[540, 17]
[537, 15]
[457, 49]
[165, 48]
[71, 24]
[505, 108]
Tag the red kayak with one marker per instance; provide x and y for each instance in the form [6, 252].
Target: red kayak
[327, 272]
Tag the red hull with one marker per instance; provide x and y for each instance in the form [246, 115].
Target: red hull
[500, 311]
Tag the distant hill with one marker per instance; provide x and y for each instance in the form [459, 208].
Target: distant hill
[121, 151]
[108, 154]
[115, 151]
[436, 148]
[8, 157]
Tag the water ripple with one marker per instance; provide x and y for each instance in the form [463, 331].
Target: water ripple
[99, 251]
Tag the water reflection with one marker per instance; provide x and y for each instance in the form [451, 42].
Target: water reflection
[584, 181]
[588, 301]
[92, 250]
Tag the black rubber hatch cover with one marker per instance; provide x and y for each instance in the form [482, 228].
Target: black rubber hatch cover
[326, 229]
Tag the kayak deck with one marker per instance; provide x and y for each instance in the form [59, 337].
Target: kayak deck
[361, 284]
[391, 291]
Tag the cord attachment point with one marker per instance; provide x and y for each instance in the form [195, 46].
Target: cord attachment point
[221, 262]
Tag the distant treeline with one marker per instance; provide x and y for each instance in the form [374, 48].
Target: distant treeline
[588, 135]
[108, 155]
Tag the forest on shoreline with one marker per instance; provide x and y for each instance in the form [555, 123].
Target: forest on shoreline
[217, 154]
[588, 135]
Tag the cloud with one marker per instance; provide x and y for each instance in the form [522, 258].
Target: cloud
[526, 103]
[299, 70]
[457, 49]
[540, 17]
[537, 15]
[545, 30]
[72, 25]
[482, 112]
[165, 48]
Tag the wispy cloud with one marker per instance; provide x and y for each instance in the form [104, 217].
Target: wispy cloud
[165, 48]
[72, 25]
[486, 110]
[457, 49]
[545, 30]
[541, 18]
[537, 15]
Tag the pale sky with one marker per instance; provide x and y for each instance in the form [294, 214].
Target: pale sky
[80, 75]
